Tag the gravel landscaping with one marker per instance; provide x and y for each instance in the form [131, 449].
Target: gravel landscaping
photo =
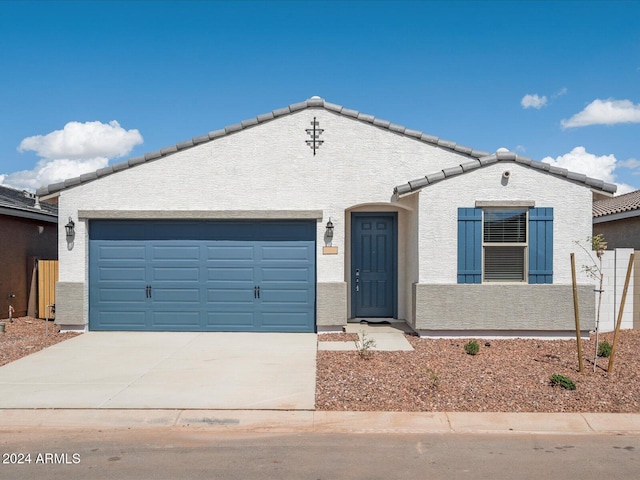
[505, 375]
[26, 336]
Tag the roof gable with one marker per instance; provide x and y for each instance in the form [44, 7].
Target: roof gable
[313, 102]
[502, 156]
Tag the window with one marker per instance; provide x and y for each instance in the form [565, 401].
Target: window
[505, 245]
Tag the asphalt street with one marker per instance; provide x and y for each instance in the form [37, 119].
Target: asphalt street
[201, 454]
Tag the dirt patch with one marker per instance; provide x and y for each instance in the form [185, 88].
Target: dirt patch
[337, 337]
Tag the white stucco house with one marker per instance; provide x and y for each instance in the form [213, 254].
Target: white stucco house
[231, 231]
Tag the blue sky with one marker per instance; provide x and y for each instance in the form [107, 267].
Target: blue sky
[86, 84]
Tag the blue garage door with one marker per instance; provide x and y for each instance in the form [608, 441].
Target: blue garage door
[202, 276]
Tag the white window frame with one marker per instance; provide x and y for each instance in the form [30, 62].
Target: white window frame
[525, 245]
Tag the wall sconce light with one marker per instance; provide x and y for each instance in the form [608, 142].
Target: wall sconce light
[329, 232]
[70, 228]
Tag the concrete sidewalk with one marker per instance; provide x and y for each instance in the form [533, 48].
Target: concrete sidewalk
[262, 421]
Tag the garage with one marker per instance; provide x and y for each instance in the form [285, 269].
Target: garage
[173, 275]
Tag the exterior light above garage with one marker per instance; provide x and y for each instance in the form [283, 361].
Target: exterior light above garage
[70, 228]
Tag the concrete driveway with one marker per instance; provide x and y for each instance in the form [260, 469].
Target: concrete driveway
[166, 370]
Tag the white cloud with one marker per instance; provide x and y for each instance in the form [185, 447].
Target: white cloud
[605, 112]
[52, 171]
[76, 149]
[84, 140]
[631, 164]
[580, 161]
[559, 93]
[533, 101]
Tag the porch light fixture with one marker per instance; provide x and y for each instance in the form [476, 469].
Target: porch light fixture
[329, 232]
[70, 228]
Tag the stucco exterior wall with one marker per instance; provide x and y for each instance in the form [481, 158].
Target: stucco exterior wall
[439, 205]
[622, 233]
[270, 167]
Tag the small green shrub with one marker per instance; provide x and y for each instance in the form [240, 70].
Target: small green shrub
[604, 349]
[471, 347]
[563, 381]
[364, 344]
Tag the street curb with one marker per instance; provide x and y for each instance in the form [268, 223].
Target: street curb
[298, 421]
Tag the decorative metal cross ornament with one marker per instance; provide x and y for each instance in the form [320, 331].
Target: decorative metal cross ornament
[314, 133]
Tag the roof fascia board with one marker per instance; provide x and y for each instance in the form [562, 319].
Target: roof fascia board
[201, 214]
[14, 212]
[616, 216]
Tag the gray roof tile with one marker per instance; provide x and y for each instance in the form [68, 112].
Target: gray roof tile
[620, 204]
[506, 157]
[249, 122]
[233, 128]
[265, 117]
[200, 139]
[185, 144]
[20, 203]
[482, 157]
[397, 128]
[217, 134]
[435, 177]
[429, 138]
[168, 150]
[366, 118]
[104, 171]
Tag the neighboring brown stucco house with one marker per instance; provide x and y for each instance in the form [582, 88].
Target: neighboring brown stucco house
[27, 230]
[618, 219]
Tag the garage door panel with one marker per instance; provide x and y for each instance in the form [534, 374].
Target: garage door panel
[229, 253]
[273, 274]
[244, 297]
[285, 297]
[116, 295]
[293, 321]
[175, 274]
[115, 320]
[287, 253]
[177, 296]
[122, 252]
[176, 320]
[218, 276]
[122, 274]
[231, 274]
[175, 252]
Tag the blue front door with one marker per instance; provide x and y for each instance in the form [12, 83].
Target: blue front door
[374, 264]
[202, 276]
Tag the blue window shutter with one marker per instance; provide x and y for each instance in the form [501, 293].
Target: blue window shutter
[469, 245]
[541, 245]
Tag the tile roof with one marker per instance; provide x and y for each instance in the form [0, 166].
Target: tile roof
[479, 158]
[21, 203]
[313, 102]
[502, 156]
[622, 203]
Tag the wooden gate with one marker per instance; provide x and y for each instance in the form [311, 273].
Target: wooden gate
[47, 278]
